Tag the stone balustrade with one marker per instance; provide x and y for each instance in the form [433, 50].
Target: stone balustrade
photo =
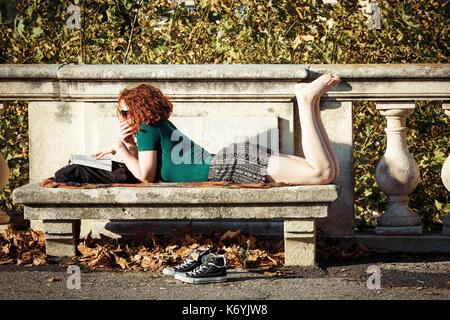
[73, 107]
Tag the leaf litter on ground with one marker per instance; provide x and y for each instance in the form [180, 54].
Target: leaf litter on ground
[148, 251]
[151, 252]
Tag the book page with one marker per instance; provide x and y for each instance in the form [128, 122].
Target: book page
[83, 157]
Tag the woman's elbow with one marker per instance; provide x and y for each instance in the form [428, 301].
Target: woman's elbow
[147, 179]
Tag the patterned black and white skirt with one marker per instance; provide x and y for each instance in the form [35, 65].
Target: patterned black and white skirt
[240, 162]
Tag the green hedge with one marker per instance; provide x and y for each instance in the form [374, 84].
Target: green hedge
[246, 31]
[14, 147]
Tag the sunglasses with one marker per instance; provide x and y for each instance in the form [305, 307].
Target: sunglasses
[124, 113]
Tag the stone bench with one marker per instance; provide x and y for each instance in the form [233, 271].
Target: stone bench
[62, 209]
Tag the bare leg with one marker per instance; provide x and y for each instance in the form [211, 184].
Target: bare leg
[325, 138]
[317, 167]
[317, 118]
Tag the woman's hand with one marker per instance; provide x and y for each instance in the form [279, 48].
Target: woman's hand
[126, 133]
[100, 154]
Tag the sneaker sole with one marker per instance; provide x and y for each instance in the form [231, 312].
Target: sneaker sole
[169, 272]
[183, 278]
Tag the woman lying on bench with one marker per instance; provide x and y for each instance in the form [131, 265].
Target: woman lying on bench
[161, 152]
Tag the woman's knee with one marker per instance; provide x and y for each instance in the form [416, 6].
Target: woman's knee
[325, 176]
[289, 169]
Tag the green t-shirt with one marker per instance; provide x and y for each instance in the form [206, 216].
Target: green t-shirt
[179, 158]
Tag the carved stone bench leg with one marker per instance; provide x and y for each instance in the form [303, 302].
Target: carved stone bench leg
[299, 242]
[61, 237]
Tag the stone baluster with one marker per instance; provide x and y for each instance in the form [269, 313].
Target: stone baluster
[445, 175]
[397, 173]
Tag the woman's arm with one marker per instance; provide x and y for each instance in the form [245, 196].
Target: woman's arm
[126, 136]
[133, 149]
[143, 166]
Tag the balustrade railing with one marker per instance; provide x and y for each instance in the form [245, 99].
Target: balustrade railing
[58, 90]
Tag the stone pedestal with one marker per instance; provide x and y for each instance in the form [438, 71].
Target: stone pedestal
[299, 242]
[397, 173]
[60, 237]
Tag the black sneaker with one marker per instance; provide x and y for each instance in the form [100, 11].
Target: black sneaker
[213, 269]
[193, 260]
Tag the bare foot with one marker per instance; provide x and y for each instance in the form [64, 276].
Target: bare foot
[299, 87]
[316, 88]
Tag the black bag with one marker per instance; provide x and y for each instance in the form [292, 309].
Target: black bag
[83, 174]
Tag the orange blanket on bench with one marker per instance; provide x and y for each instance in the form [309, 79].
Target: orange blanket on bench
[51, 183]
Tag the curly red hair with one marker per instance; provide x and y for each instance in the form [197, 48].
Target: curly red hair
[145, 104]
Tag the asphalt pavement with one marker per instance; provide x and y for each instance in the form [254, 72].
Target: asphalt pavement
[398, 279]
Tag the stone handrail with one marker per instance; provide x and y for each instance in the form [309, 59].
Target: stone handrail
[393, 87]
[374, 82]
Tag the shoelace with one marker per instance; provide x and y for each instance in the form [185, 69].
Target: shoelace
[189, 261]
[202, 268]
[185, 264]
[198, 270]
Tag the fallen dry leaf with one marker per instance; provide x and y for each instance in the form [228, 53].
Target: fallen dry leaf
[39, 260]
[9, 261]
[86, 251]
[230, 235]
[271, 274]
[122, 262]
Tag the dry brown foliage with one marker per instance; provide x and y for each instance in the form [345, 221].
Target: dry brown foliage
[22, 248]
[148, 252]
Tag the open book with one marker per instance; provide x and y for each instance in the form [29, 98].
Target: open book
[104, 163]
